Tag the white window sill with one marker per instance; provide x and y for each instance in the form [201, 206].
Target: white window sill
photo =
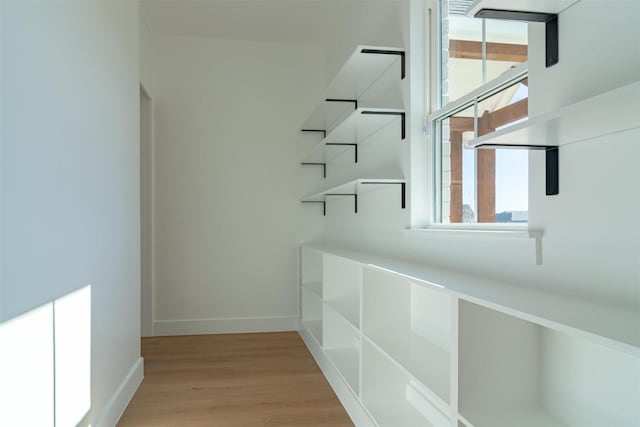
[483, 230]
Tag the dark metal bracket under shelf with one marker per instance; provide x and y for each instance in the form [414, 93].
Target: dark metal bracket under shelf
[549, 19]
[552, 163]
[352, 101]
[389, 52]
[349, 144]
[403, 128]
[324, 132]
[403, 196]
[324, 167]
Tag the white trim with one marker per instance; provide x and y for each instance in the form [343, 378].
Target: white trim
[227, 325]
[349, 400]
[115, 406]
[484, 230]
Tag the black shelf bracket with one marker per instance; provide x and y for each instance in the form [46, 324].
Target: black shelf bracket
[355, 198]
[403, 190]
[324, 167]
[324, 132]
[355, 146]
[552, 165]
[352, 101]
[389, 52]
[403, 127]
[549, 19]
[324, 205]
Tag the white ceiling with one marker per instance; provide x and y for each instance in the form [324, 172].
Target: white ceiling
[320, 22]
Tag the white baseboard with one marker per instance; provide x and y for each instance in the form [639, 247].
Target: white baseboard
[115, 406]
[230, 325]
[349, 400]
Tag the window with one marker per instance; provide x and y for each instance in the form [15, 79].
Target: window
[483, 87]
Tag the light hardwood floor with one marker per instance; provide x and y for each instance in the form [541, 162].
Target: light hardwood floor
[236, 380]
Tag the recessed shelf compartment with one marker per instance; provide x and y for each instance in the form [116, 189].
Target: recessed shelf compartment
[358, 127]
[341, 342]
[341, 287]
[604, 114]
[311, 307]
[411, 322]
[392, 397]
[311, 264]
[315, 287]
[311, 291]
[515, 372]
[364, 67]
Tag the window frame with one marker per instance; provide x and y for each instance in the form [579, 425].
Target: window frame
[442, 112]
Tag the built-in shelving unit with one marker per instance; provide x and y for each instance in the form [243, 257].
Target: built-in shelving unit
[417, 346]
[364, 98]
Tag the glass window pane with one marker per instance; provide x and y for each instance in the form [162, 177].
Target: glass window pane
[464, 64]
[484, 186]
[506, 46]
[462, 56]
[458, 168]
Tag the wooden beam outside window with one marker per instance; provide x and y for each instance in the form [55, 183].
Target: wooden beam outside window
[486, 160]
[467, 49]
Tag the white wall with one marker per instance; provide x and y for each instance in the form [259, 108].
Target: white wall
[590, 244]
[146, 54]
[70, 208]
[228, 181]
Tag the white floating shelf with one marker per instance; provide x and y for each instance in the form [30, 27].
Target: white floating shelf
[356, 186]
[356, 128]
[543, 6]
[605, 114]
[362, 69]
[366, 65]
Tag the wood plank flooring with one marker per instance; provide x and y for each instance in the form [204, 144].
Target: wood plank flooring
[235, 380]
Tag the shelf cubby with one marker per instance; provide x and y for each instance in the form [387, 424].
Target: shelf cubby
[341, 343]
[392, 397]
[341, 287]
[516, 372]
[311, 307]
[411, 322]
[310, 265]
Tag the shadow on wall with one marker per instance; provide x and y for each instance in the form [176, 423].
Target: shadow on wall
[45, 364]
